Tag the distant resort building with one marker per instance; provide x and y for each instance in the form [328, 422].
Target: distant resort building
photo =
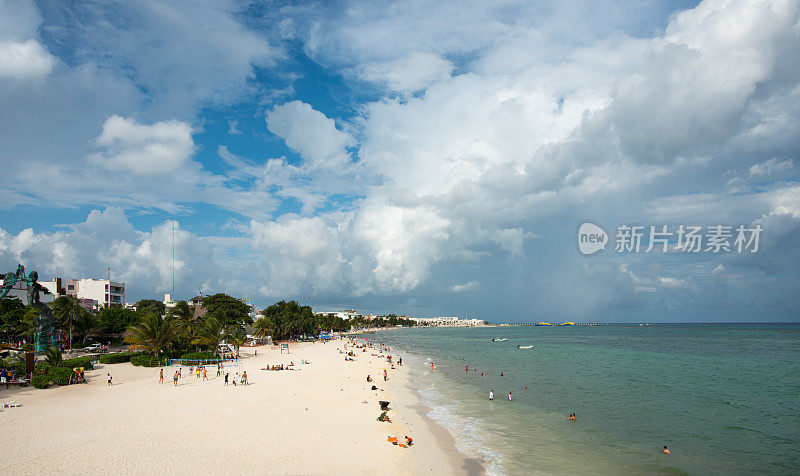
[448, 321]
[347, 314]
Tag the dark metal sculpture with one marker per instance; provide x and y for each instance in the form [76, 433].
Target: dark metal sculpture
[45, 335]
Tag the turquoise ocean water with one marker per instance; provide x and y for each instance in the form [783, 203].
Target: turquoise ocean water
[725, 398]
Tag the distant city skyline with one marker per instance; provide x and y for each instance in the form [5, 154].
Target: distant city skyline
[423, 158]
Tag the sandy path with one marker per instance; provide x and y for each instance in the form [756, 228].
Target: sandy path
[308, 421]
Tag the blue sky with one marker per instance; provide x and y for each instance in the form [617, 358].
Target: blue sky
[428, 158]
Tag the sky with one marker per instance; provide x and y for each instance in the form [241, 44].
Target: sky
[410, 157]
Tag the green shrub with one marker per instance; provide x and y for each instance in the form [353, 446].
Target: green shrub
[85, 362]
[144, 361]
[199, 355]
[40, 381]
[119, 357]
[59, 375]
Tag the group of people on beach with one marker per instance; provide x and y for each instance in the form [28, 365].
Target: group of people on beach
[278, 367]
[200, 372]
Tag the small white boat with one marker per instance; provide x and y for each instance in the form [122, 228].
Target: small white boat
[499, 340]
[524, 347]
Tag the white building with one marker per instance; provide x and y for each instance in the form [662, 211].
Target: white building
[347, 314]
[92, 293]
[20, 291]
[447, 321]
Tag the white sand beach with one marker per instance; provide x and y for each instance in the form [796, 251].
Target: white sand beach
[311, 420]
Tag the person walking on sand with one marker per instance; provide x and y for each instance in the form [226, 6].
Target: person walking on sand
[244, 377]
[175, 379]
[198, 371]
[491, 394]
[161, 377]
[219, 368]
[109, 380]
[385, 375]
[235, 378]
[205, 377]
[226, 379]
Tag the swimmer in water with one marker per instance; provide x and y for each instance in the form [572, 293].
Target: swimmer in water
[665, 451]
[526, 389]
[467, 369]
[501, 374]
[571, 417]
[491, 396]
[510, 398]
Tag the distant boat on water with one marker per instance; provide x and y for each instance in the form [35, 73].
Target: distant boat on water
[499, 340]
[543, 324]
[524, 347]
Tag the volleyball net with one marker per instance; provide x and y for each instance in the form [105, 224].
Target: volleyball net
[203, 362]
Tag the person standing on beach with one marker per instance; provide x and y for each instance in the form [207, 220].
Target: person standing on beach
[385, 375]
[244, 377]
[219, 368]
[205, 377]
[161, 377]
[491, 394]
[226, 379]
[175, 379]
[109, 380]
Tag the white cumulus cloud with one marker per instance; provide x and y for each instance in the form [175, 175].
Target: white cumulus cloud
[144, 149]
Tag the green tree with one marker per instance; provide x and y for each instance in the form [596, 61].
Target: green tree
[290, 319]
[52, 356]
[150, 306]
[228, 310]
[11, 313]
[184, 314]
[114, 320]
[264, 327]
[209, 333]
[68, 311]
[237, 337]
[154, 332]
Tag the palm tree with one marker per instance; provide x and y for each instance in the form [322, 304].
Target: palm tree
[264, 327]
[237, 337]
[209, 333]
[52, 356]
[67, 310]
[153, 332]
